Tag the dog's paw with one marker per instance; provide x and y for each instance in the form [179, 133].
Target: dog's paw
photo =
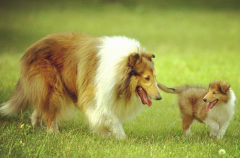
[187, 132]
[213, 134]
[121, 137]
[219, 136]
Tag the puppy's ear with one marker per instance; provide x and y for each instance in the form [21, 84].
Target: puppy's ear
[210, 84]
[133, 58]
[149, 56]
[224, 87]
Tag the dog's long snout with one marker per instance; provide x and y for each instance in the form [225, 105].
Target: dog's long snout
[204, 99]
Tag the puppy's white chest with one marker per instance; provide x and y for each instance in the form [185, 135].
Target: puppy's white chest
[221, 113]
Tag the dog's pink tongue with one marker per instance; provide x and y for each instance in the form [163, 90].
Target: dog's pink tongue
[144, 96]
[210, 105]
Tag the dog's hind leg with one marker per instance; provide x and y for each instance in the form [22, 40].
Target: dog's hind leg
[36, 119]
[52, 111]
[186, 124]
[50, 104]
[52, 126]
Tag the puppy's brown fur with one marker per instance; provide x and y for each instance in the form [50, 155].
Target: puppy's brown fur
[213, 106]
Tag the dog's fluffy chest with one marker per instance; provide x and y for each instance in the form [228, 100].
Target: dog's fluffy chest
[221, 113]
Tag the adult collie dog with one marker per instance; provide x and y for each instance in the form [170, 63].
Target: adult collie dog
[214, 106]
[107, 78]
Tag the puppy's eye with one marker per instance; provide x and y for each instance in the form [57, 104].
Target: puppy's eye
[214, 92]
[147, 78]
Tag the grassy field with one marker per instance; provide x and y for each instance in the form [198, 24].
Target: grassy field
[194, 43]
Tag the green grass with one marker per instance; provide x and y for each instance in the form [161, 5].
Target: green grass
[194, 43]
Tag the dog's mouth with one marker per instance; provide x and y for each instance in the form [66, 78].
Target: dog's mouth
[211, 104]
[144, 96]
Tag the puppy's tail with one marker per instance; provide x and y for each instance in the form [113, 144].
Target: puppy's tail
[177, 90]
[17, 102]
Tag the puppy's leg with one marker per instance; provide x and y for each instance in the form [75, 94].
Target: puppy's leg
[213, 126]
[222, 129]
[113, 124]
[186, 124]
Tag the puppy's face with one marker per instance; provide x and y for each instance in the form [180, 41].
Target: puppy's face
[217, 93]
[144, 72]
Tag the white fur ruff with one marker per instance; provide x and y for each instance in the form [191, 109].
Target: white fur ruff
[108, 111]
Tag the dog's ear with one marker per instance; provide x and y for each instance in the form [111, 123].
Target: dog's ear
[224, 87]
[133, 58]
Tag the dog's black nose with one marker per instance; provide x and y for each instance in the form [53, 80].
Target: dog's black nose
[159, 98]
[204, 99]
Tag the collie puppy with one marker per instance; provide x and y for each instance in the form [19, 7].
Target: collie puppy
[214, 106]
[107, 78]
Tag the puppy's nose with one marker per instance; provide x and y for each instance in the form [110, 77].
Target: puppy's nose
[159, 97]
[204, 99]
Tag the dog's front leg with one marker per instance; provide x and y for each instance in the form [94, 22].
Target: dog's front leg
[222, 130]
[214, 127]
[113, 124]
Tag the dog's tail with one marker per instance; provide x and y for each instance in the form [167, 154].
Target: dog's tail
[17, 102]
[177, 90]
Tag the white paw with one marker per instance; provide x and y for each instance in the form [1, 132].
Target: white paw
[121, 137]
[188, 132]
[213, 134]
[53, 130]
[219, 136]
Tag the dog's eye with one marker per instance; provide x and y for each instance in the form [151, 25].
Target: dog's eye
[214, 92]
[147, 78]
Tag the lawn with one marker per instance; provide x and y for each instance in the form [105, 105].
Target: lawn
[194, 43]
